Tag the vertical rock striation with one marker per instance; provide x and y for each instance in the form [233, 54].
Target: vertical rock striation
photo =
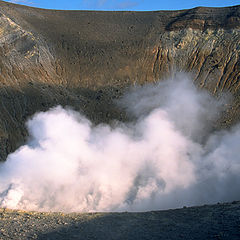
[85, 59]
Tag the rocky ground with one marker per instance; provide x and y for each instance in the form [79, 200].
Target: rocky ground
[213, 222]
[86, 60]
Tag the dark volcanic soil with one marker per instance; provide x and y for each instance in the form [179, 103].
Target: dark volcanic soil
[85, 59]
[213, 222]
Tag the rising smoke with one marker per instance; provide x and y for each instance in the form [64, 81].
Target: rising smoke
[166, 158]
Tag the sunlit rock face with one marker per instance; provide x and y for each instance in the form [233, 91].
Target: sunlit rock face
[87, 59]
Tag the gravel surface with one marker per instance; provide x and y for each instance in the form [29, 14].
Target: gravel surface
[220, 221]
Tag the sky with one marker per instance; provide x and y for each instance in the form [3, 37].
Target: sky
[125, 5]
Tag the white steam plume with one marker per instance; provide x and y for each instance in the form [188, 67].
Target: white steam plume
[166, 159]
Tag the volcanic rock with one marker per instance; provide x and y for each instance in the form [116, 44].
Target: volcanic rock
[86, 59]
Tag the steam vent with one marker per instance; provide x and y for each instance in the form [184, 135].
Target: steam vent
[124, 114]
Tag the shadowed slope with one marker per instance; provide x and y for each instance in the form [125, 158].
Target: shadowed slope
[86, 59]
[207, 222]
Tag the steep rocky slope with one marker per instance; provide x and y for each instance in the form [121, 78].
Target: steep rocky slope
[86, 59]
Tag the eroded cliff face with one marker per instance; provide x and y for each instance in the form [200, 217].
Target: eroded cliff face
[87, 59]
